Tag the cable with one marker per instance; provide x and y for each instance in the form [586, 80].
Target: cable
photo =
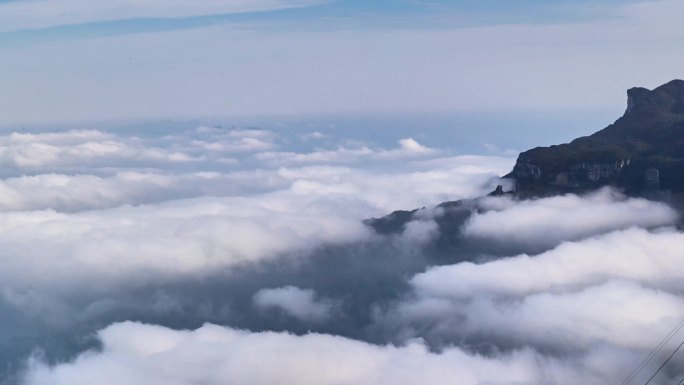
[653, 353]
[681, 382]
[665, 363]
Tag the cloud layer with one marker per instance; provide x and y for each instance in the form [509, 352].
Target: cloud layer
[134, 353]
[299, 303]
[617, 293]
[144, 239]
[99, 226]
[564, 218]
[110, 207]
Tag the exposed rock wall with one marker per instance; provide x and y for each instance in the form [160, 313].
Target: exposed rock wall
[649, 136]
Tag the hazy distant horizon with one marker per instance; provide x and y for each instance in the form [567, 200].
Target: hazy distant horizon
[465, 133]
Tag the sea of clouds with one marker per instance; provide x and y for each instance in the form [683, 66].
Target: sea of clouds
[222, 255]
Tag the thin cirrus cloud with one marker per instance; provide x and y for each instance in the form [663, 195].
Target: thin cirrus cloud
[23, 14]
[253, 70]
[581, 66]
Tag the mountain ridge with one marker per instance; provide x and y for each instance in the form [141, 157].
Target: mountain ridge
[641, 151]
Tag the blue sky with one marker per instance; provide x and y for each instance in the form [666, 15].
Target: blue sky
[331, 14]
[70, 61]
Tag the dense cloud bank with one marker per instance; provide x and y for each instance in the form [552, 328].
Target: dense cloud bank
[209, 224]
[561, 218]
[135, 353]
[99, 207]
[239, 256]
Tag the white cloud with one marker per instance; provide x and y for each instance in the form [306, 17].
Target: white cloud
[599, 306]
[339, 155]
[549, 221]
[315, 135]
[621, 290]
[69, 193]
[302, 304]
[623, 314]
[107, 221]
[188, 237]
[420, 231]
[136, 353]
[91, 148]
[408, 148]
[236, 140]
[418, 183]
[411, 145]
[634, 254]
[112, 208]
[490, 147]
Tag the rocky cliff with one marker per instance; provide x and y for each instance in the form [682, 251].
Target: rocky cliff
[642, 151]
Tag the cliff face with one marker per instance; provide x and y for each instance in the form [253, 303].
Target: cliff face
[643, 150]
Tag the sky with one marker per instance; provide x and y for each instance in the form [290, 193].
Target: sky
[70, 61]
[257, 192]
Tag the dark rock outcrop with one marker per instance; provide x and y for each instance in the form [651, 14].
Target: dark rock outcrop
[643, 150]
[641, 153]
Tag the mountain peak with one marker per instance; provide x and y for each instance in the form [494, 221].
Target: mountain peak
[636, 96]
[676, 85]
[668, 98]
[647, 141]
